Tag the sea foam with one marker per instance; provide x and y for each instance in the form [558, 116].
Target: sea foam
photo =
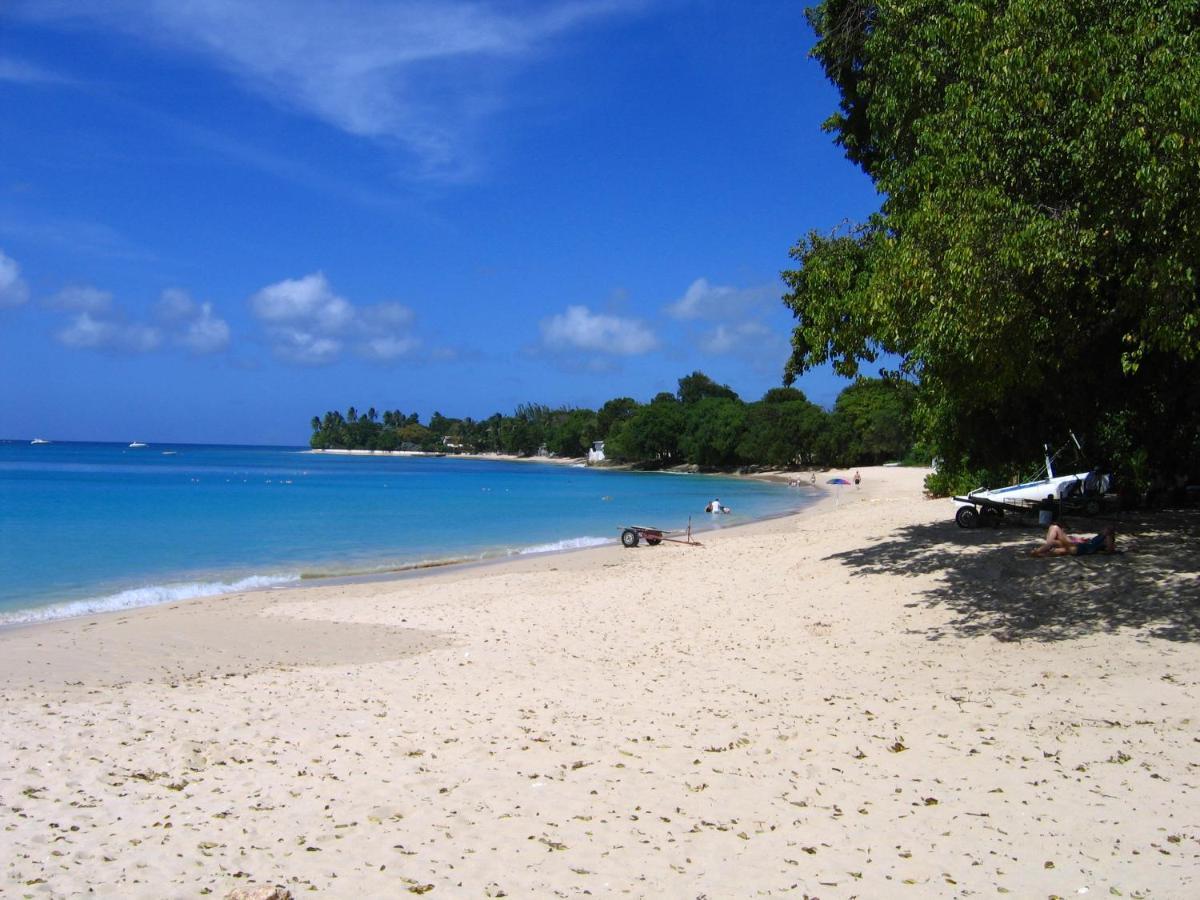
[149, 595]
[577, 543]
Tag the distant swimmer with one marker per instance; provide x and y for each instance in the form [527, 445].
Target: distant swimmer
[716, 507]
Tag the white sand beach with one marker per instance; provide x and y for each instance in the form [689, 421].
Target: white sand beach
[860, 700]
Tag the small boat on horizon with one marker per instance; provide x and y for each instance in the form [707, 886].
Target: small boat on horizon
[136, 444]
[39, 441]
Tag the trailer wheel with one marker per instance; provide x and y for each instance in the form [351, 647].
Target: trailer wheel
[1091, 506]
[990, 517]
[629, 537]
[967, 517]
[653, 542]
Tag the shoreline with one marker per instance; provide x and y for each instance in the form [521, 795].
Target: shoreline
[434, 454]
[286, 578]
[257, 598]
[839, 702]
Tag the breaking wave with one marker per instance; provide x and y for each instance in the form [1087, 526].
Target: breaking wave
[149, 595]
[578, 543]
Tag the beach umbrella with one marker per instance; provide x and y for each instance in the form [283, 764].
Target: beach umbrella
[837, 481]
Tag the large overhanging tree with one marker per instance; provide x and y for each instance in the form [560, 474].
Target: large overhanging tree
[1036, 258]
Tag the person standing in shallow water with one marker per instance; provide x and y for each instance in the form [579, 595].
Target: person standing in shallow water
[857, 478]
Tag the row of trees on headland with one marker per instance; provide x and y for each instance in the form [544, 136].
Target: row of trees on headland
[703, 423]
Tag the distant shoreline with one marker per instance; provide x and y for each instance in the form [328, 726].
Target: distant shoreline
[500, 457]
[792, 477]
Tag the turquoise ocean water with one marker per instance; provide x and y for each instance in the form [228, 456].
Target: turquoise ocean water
[87, 527]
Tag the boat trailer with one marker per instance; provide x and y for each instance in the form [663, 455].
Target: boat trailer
[632, 535]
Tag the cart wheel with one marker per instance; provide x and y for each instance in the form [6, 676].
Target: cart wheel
[967, 517]
[991, 517]
[653, 542]
[629, 537]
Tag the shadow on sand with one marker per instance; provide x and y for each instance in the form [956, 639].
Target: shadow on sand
[994, 587]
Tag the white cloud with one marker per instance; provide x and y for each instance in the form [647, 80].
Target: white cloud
[305, 347]
[308, 323]
[580, 329]
[193, 325]
[308, 300]
[723, 319]
[205, 333]
[88, 332]
[729, 338]
[424, 73]
[703, 300]
[98, 323]
[13, 290]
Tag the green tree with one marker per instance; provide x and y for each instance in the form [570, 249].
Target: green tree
[417, 436]
[613, 413]
[1034, 260]
[695, 387]
[783, 429]
[573, 433]
[878, 416]
[651, 434]
[714, 428]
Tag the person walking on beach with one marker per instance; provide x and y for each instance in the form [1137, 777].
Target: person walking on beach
[1059, 543]
[857, 478]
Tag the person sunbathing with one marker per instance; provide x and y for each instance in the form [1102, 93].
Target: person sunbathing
[1059, 543]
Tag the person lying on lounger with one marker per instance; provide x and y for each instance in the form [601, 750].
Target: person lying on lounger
[1059, 543]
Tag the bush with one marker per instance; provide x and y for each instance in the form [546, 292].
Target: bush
[948, 482]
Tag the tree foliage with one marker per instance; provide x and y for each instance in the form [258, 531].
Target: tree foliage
[717, 430]
[1035, 262]
[697, 386]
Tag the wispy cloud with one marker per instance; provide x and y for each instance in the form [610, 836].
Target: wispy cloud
[423, 73]
[74, 236]
[308, 323]
[18, 71]
[580, 329]
[13, 290]
[80, 298]
[729, 338]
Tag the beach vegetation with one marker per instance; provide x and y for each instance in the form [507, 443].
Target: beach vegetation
[714, 428]
[870, 422]
[1033, 262]
[783, 432]
[652, 434]
[698, 386]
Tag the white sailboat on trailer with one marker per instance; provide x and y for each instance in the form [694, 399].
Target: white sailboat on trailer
[984, 506]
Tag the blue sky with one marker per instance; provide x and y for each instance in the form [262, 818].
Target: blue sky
[218, 219]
